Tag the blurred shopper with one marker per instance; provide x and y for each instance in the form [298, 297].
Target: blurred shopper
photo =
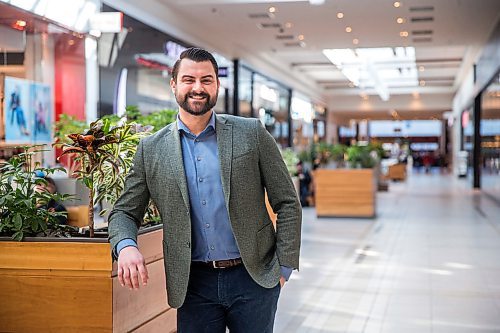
[304, 184]
[207, 173]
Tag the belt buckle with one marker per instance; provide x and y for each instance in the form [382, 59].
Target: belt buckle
[214, 264]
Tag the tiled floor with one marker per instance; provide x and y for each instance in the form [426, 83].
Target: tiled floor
[429, 262]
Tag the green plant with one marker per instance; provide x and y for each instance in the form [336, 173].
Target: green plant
[23, 209]
[337, 152]
[157, 120]
[305, 156]
[291, 160]
[105, 154]
[362, 156]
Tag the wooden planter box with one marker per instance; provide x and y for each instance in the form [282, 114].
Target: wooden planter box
[397, 171]
[345, 192]
[70, 285]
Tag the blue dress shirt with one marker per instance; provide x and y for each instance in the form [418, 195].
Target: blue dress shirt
[212, 235]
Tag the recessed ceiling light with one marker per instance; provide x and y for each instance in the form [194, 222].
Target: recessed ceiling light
[288, 25]
[340, 15]
[421, 68]
[348, 29]
[301, 37]
[71, 42]
[21, 23]
[400, 20]
[355, 41]
[422, 83]
[397, 4]
[403, 33]
[272, 9]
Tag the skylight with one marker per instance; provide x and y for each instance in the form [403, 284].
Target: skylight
[377, 68]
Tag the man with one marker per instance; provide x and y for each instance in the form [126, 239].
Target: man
[207, 174]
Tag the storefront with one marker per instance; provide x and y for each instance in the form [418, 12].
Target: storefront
[262, 97]
[308, 121]
[44, 58]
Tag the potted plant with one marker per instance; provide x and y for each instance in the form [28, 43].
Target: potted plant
[349, 192]
[42, 277]
[105, 154]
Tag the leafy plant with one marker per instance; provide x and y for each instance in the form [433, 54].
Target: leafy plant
[23, 209]
[157, 120]
[291, 160]
[105, 153]
[362, 156]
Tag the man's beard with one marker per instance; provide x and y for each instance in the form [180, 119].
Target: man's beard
[201, 107]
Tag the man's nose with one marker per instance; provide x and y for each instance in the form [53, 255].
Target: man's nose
[197, 86]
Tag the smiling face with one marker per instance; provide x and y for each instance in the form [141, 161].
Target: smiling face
[196, 87]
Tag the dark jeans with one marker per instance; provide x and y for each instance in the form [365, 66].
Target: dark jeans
[227, 297]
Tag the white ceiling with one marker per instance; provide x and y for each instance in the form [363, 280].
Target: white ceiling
[457, 31]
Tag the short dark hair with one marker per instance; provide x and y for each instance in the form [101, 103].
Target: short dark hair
[197, 55]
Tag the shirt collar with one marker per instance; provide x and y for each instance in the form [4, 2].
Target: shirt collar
[182, 127]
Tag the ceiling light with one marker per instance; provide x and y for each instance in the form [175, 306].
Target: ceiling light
[340, 15]
[300, 37]
[316, 2]
[421, 68]
[272, 9]
[422, 83]
[364, 96]
[288, 25]
[355, 41]
[348, 29]
[71, 42]
[21, 23]
[397, 4]
[403, 33]
[400, 20]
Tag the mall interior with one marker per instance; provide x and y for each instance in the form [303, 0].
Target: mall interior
[387, 114]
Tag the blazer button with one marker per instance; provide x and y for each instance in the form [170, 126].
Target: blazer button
[188, 244]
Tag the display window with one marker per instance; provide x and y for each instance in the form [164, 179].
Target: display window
[42, 70]
[490, 138]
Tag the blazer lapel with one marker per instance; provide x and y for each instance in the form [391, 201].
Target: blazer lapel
[225, 149]
[174, 155]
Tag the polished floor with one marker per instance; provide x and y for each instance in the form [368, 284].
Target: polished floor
[429, 262]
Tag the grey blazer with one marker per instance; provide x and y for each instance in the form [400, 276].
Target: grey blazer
[250, 163]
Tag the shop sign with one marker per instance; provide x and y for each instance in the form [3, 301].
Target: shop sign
[107, 22]
[223, 71]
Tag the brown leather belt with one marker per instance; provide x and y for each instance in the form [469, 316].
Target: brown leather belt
[219, 263]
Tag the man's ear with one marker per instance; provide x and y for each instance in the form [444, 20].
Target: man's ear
[172, 85]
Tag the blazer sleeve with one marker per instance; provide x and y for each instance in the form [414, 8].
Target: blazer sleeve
[282, 198]
[128, 211]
